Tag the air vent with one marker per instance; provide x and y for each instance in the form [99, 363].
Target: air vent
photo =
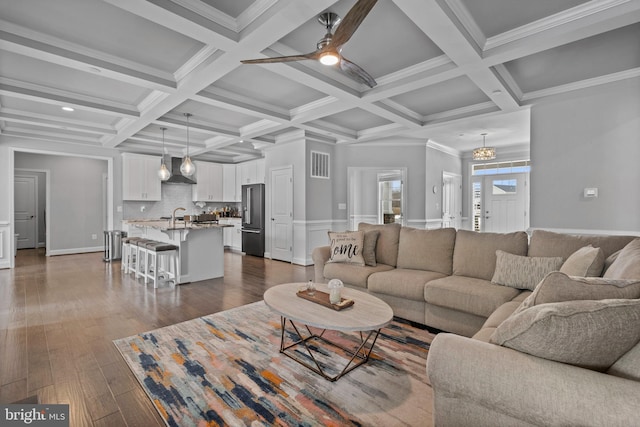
[319, 165]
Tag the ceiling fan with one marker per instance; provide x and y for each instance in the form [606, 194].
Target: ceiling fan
[329, 47]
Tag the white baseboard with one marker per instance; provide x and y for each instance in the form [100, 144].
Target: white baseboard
[54, 252]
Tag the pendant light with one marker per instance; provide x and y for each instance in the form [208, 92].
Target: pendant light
[187, 167]
[163, 173]
[484, 152]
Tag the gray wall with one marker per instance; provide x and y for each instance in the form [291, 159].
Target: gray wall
[77, 198]
[587, 138]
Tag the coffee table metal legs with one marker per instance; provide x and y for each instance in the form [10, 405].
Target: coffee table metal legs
[358, 357]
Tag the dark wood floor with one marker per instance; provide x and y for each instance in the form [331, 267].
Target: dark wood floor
[59, 315]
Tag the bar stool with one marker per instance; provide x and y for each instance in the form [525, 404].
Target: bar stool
[138, 266]
[127, 253]
[161, 259]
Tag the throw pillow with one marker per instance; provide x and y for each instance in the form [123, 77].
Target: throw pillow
[590, 334]
[627, 264]
[522, 272]
[346, 247]
[586, 261]
[369, 247]
[558, 287]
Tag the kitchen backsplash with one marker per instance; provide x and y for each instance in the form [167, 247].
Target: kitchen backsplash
[173, 196]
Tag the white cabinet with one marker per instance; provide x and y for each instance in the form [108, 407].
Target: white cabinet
[209, 182]
[232, 236]
[230, 191]
[252, 172]
[140, 177]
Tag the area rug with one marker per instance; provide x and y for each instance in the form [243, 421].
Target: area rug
[226, 369]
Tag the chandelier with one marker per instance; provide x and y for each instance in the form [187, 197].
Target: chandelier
[187, 167]
[163, 173]
[484, 152]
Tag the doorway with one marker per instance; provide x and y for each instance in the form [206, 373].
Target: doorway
[376, 195]
[25, 210]
[451, 200]
[282, 214]
[501, 203]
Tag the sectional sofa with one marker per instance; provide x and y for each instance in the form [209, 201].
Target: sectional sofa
[442, 278]
[546, 330]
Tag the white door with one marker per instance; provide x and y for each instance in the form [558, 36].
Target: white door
[282, 214]
[451, 200]
[505, 203]
[25, 206]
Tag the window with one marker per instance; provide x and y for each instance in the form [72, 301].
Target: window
[504, 186]
[517, 166]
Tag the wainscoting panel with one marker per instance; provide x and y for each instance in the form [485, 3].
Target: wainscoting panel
[308, 235]
[5, 245]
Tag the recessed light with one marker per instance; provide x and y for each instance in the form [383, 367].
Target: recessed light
[68, 109]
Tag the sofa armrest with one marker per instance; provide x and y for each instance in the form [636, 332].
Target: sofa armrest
[320, 256]
[527, 388]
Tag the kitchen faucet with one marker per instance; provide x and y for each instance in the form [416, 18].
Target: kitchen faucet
[173, 216]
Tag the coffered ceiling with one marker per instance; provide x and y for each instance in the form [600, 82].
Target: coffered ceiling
[446, 70]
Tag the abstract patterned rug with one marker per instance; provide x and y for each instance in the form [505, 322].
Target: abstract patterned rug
[225, 369]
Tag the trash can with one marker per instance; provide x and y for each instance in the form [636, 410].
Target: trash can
[113, 245]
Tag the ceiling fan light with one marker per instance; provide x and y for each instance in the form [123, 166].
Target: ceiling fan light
[187, 167]
[329, 58]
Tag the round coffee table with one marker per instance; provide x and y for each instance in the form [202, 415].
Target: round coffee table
[368, 314]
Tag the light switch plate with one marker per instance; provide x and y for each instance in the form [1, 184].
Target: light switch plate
[342, 206]
[590, 192]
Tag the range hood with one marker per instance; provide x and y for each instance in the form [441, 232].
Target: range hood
[176, 176]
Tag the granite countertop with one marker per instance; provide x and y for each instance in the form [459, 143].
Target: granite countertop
[163, 224]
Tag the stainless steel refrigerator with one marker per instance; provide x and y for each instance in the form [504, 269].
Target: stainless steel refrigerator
[253, 219]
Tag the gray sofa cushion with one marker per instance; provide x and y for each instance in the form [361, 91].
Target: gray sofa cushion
[589, 334]
[548, 243]
[522, 272]
[558, 287]
[586, 262]
[474, 254]
[627, 263]
[468, 294]
[350, 274]
[431, 250]
[387, 244]
[628, 366]
[401, 282]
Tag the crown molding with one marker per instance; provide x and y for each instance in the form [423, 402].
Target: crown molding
[583, 84]
[443, 148]
[559, 19]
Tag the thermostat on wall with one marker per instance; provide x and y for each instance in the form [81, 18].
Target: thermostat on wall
[590, 192]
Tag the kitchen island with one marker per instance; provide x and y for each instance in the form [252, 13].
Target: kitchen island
[200, 245]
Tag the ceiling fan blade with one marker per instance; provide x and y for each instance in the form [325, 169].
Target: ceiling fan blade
[312, 55]
[351, 22]
[356, 73]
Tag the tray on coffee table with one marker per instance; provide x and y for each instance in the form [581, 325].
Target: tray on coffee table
[322, 298]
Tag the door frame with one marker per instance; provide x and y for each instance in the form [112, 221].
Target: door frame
[11, 172]
[483, 179]
[458, 197]
[269, 212]
[31, 173]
